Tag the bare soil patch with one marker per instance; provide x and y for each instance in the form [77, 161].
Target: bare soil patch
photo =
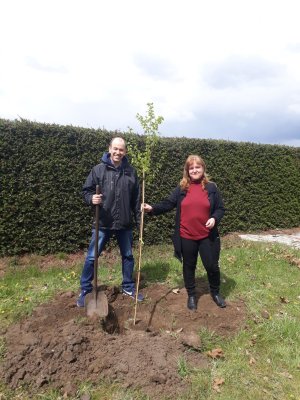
[57, 346]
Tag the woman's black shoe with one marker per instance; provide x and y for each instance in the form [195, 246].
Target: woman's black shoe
[218, 299]
[191, 303]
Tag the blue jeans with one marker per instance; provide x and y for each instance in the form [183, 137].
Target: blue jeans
[124, 239]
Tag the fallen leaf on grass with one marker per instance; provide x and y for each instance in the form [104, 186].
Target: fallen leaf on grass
[253, 341]
[296, 261]
[252, 361]
[255, 319]
[216, 353]
[293, 261]
[284, 300]
[267, 285]
[286, 375]
[176, 291]
[231, 259]
[217, 382]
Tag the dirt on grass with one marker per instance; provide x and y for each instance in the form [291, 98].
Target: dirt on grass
[59, 347]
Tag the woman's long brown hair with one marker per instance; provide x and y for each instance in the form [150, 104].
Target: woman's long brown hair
[186, 180]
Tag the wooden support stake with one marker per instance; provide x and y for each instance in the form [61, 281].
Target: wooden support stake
[140, 248]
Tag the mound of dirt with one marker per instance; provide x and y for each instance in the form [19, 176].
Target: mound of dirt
[57, 346]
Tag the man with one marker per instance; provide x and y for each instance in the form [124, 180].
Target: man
[119, 201]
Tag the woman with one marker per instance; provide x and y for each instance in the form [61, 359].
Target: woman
[199, 210]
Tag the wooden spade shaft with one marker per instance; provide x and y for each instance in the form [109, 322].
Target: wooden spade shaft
[96, 246]
[98, 304]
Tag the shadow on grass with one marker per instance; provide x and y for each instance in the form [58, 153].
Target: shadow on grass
[228, 285]
[202, 286]
[156, 271]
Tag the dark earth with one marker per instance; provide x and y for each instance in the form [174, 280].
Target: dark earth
[59, 347]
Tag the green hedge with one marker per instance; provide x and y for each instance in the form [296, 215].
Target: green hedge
[43, 168]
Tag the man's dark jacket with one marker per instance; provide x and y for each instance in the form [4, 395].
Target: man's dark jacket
[217, 211]
[120, 193]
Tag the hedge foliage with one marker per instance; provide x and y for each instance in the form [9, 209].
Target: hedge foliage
[43, 168]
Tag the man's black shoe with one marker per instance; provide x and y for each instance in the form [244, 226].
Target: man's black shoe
[218, 299]
[191, 303]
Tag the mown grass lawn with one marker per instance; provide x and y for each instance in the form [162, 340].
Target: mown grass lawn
[262, 361]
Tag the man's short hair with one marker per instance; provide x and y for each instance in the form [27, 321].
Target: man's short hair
[118, 138]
